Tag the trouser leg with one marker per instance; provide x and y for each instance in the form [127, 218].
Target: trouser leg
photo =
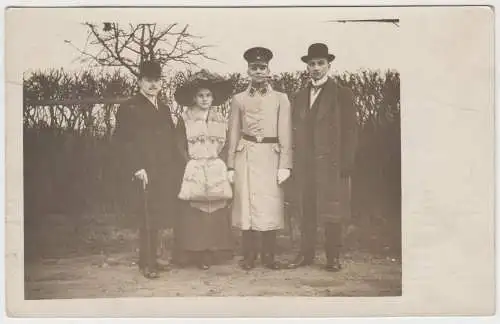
[203, 259]
[309, 222]
[148, 245]
[333, 245]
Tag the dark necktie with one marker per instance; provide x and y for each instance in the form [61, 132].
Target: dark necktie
[316, 89]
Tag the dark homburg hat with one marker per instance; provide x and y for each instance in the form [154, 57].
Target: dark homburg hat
[150, 69]
[318, 50]
[258, 55]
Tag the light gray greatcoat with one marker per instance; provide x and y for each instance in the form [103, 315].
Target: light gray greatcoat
[258, 199]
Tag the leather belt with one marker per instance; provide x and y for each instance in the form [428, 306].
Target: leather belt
[260, 139]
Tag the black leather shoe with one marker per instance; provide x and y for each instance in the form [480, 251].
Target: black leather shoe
[333, 266]
[301, 261]
[273, 265]
[162, 267]
[268, 262]
[247, 263]
[149, 274]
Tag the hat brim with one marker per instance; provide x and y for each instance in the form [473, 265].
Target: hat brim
[221, 91]
[306, 58]
[151, 76]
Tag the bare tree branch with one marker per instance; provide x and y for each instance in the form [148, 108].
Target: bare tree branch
[113, 46]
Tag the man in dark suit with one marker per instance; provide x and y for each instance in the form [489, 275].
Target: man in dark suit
[324, 123]
[150, 162]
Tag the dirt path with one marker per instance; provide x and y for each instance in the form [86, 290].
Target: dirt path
[116, 276]
[67, 257]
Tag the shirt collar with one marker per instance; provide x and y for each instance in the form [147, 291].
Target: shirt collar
[154, 101]
[320, 82]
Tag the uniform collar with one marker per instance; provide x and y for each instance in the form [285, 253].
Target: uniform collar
[261, 89]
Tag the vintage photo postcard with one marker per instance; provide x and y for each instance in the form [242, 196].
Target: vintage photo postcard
[249, 161]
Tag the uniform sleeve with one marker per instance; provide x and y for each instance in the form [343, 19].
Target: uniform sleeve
[223, 154]
[234, 131]
[285, 132]
[349, 136]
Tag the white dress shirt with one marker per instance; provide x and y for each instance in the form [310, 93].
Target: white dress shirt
[315, 93]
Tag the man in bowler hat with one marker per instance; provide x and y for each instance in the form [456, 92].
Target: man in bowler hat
[151, 162]
[259, 159]
[324, 124]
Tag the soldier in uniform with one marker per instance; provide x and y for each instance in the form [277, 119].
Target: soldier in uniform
[259, 159]
[324, 123]
[151, 162]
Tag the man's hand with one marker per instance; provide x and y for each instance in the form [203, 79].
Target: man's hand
[283, 174]
[345, 173]
[230, 176]
[142, 176]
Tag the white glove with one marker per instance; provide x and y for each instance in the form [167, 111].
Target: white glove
[230, 176]
[283, 174]
[142, 176]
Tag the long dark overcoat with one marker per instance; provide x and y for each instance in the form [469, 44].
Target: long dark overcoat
[145, 138]
[335, 139]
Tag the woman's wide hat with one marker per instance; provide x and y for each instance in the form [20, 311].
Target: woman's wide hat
[318, 50]
[221, 88]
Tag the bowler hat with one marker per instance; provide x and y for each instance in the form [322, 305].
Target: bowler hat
[150, 69]
[258, 54]
[221, 88]
[318, 50]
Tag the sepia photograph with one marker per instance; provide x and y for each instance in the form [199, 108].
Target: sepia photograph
[148, 155]
[214, 152]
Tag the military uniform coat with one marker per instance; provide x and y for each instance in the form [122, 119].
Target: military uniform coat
[258, 201]
[331, 153]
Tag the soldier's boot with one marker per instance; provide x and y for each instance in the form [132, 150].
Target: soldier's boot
[249, 255]
[268, 250]
[333, 239]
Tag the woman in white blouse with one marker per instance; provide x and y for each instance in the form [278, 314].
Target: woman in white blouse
[204, 225]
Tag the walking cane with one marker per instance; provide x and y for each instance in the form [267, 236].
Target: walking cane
[146, 217]
[147, 223]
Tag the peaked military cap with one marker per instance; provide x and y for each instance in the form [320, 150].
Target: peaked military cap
[258, 54]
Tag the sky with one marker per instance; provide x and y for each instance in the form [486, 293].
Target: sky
[41, 33]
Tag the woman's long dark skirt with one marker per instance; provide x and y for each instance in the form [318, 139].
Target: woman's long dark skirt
[197, 231]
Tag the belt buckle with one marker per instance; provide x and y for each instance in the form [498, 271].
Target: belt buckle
[259, 139]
